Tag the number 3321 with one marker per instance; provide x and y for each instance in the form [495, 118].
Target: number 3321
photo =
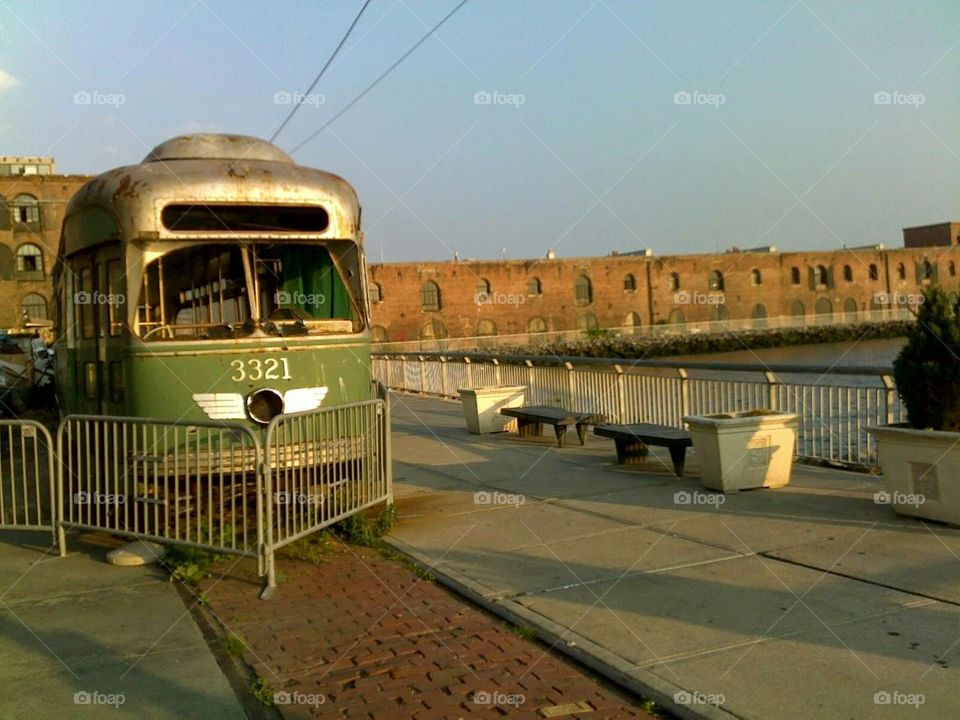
[269, 369]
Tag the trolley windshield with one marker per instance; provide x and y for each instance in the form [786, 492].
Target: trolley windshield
[210, 291]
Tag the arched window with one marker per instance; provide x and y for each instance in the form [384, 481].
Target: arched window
[584, 290]
[537, 325]
[924, 271]
[587, 321]
[534, 287]
[632, 323]
[720, 312]
[376, 293]
[847, 273]
[486, 328]
[33, 307]
[26, 209]
[483, 287]
[29, 259]
[822, 276]
[629, 282]
[759, 315]
[755, 277]
[675, 317]
[430, 296]
[715, 280]
[795, 276]
[433, 330]
[901, 272]
[874, 274]
[850, 310]
[378, 334]
[952, 269]
[824, 308]
[798, 312]
[673, 282]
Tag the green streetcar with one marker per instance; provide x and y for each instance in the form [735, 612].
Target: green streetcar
[216, 280]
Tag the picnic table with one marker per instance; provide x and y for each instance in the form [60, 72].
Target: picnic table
[530, 421]
[633, 440]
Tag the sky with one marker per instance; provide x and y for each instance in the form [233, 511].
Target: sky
[584, 126]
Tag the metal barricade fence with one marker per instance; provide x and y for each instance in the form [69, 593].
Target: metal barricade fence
[209, 485]
[188, 483]
[28, 497]
[322, 466]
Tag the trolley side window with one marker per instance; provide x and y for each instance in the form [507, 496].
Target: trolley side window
[84, 299]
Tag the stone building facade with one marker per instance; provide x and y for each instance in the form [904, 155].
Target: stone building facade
[423, 301]
[33, 199]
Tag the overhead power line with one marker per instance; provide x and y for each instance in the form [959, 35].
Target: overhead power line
[296, 105]
[372, 85]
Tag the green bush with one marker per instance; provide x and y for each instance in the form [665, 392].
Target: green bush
[927, 370]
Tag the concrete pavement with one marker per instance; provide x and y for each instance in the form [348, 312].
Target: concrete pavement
[80, 638]
[806, 601]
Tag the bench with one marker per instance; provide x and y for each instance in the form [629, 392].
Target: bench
[531, 419]
[633, 441]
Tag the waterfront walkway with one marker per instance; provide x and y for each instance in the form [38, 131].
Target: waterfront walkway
[806, 601]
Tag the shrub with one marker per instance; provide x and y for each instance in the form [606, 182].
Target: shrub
[927, 370]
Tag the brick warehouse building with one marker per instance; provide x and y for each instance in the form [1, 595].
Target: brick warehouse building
[33, 199]
[412, 301]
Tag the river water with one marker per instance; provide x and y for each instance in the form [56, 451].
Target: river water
[870, 353]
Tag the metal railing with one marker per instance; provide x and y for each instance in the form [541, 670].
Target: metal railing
[835, 405]
[28, 498]
[188, 483]
[322, 466]
[208, 485]
[705, 327]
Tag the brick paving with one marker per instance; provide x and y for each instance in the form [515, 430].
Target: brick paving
[374, 640]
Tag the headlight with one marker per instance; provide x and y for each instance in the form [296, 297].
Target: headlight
[263, 405]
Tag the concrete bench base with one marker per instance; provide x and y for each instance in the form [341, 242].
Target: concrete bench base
[633, 441]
